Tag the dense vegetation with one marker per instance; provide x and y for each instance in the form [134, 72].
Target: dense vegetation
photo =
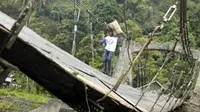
[54, 20]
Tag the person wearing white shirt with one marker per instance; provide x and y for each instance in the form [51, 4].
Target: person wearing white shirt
[110, 42]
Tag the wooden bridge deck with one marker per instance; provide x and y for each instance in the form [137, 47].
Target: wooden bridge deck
[70, 79]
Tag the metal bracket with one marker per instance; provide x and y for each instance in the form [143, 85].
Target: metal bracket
[171, 11]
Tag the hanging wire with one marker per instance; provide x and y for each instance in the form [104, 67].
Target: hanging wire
[187, 91]
[128, 38]
[163, 89]
[86, 98]
[175, 84]
[192, 82]
[173, 78]
[154, 78]
[82, 7]
[181, 90]
[178, 90]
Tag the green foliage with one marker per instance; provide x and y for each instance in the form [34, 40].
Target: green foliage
[108, 12]
[133, 29]
[19, 101]
[141, 40]
[7, 7]
[27, 85]
[31, 97]
[5, 106]
[150, 62]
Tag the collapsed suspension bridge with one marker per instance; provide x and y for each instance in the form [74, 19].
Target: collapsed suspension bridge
[79, 85]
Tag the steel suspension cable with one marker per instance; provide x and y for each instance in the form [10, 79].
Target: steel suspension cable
[162, 89]
[184, 31]
[172, 92]
[181, 89]
[158, 72]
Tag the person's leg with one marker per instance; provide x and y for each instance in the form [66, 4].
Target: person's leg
[105, 61]
[109, 59]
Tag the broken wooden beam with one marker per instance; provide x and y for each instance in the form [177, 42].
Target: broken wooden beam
[8, 65]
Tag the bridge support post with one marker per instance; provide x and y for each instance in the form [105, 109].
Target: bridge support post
[123, 63]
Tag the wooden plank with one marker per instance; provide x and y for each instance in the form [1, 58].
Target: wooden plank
[8, 65]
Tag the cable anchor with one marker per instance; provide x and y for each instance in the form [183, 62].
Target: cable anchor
[169, 14]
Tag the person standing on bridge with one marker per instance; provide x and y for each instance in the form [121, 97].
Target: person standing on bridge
[110, 43]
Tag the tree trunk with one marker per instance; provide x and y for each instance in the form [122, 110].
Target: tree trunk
[123, 63]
